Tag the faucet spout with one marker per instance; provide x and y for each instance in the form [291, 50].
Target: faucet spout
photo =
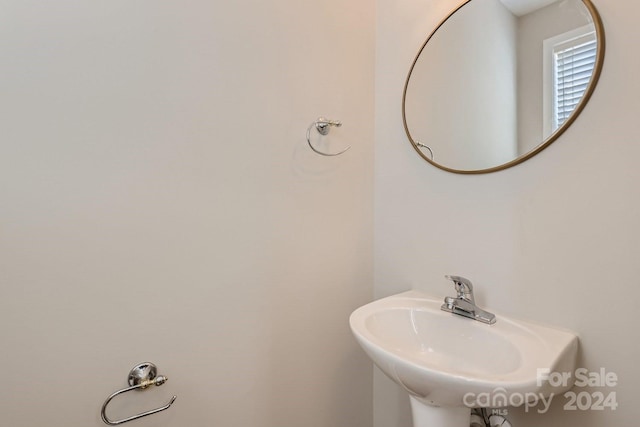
[464, 303]
[464, 288]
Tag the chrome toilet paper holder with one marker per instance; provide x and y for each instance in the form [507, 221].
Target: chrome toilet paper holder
[141, 377]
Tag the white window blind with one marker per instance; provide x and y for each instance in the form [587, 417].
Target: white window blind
[573, 67]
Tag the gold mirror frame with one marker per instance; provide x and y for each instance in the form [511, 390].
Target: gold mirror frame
[597, 21]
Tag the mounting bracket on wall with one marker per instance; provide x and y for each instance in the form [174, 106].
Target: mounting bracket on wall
[323, 126]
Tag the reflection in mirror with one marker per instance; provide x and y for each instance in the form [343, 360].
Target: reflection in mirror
[499, 80]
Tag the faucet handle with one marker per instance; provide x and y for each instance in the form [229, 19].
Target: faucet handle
[463, 286]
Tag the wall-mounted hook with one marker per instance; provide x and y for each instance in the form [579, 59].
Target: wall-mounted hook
[140, 377]
[323, 126]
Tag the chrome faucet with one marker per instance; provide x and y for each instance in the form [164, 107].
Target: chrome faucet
[464, 303]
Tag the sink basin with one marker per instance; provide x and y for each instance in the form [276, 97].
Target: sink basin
[446, 360]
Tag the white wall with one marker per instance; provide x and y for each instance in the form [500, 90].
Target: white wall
[554, 239]
[158, 202]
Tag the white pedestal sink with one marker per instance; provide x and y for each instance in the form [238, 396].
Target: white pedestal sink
[450, 364]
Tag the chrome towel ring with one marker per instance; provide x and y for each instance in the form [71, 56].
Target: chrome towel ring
[140, 377]
[323, 126]
[420, 144]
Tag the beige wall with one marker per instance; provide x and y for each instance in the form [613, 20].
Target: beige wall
[554, 239]
[158, 202]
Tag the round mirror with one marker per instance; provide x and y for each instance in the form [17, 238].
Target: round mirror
[500, 80]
